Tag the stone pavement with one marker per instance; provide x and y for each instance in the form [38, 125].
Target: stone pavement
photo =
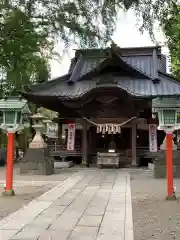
[28, 187]
[92, 204]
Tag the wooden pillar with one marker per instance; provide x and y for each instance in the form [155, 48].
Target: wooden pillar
[84, 144]
[134, 161]
[90, 140]
[59, 130]
[60, 133]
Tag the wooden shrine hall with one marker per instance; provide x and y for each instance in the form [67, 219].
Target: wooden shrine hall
[107, 96]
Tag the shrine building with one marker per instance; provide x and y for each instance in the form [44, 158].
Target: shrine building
[104, 104]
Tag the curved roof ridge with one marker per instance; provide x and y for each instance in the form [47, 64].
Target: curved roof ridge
[130, 92]
[48, 83]
[118, 86]
[75, 70]
[172, 77]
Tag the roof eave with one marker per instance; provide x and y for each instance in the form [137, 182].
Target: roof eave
[170, 76]
[46, 85]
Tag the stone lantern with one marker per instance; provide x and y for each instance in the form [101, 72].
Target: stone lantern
[38, 125]
[37, 159]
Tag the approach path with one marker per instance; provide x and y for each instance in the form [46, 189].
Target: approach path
[89, 205]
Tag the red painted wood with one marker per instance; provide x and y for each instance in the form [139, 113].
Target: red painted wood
[10, 162]
[169, 164]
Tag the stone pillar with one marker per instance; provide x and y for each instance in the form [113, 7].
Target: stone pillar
[133, 132]
[84, 144]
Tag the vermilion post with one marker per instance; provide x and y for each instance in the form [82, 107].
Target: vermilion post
[169, 165]
[10, 162]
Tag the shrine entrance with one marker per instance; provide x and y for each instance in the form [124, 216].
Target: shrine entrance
[103, 143]
[107, 87]
[119, 141]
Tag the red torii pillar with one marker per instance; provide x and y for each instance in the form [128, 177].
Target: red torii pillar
[169, 159]
[8, 191]
[169, 165]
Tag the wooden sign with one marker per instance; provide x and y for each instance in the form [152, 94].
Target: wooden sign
[71, 136]
[52, 130]
[153, 138]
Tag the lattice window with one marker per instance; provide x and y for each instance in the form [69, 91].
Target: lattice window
[9, 117]
[1, 117]
[169, 117]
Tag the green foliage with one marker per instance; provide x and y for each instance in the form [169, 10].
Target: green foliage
[86, 22]
[21, 52]
[48, 113]
[31, 28]
[89, 23]
[171, 27]
[151, 13]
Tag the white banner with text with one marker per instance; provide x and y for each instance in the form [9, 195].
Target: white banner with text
[52, 130]
[71, 136]
[153, 138]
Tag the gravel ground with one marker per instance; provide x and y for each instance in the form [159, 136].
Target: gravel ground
[153, 216]
[59, 175]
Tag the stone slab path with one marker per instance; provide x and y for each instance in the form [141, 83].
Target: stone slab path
[90, 205]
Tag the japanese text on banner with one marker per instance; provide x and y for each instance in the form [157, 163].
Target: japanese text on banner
[153, 138]
[71, 136]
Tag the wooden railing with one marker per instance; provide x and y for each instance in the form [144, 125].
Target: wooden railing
[56, 147]
[61, 151]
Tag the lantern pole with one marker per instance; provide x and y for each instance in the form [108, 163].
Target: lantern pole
[169, 166]
[9, 167]
[12, 124]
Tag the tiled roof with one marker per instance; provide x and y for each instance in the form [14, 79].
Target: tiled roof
[168, 103]
[70, 85]
[14, 104]
[87, 65]
[143, 63]
[140, 58]
[137, 87]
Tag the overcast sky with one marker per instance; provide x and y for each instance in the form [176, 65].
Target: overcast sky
[126, 35]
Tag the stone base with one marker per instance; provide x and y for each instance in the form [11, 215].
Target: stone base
[37, 161]
[67, 164]
[160, 164]
[133, 165]
[8, 193]
[109, 159]
[151, 166]
[171, 198]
